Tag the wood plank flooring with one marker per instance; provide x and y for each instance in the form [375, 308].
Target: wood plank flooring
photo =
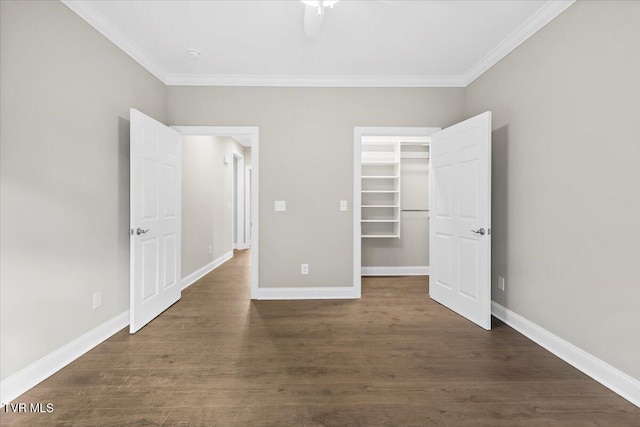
[393, 358]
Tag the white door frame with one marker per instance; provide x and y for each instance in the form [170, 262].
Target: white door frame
[247, 206]
[358, 133]
[253, 132]
[238, 204]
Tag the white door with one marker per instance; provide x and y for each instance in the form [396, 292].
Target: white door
[155, 219]
[460, 228]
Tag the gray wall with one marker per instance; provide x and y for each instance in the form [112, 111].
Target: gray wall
[64, 209]
[306, 158]
[247, 156]
[206, 191]
[566, 186]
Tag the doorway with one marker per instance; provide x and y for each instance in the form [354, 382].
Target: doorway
[459, 202]
[389, 216]
[246, 136]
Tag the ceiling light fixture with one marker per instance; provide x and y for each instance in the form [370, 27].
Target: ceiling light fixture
[320, 4]
[193, 53]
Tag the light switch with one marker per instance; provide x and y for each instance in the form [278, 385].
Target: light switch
[280, 206]
[343, 205]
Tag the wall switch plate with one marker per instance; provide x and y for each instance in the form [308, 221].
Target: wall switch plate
[210, 249]
[280, 206]
[97, 299]
[228, 205]
[501, 283]
[344, 206]
[304, 269]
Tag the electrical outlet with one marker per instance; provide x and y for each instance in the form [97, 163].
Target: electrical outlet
[97, 299]
[343, 205]
[304, 269]
[280, 206]
[501, 283]
[210, 249]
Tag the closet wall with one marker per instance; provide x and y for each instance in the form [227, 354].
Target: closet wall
[412, 248]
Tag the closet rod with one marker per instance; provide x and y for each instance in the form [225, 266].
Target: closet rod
[415, 210]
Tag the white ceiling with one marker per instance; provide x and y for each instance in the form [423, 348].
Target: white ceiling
[362, 43]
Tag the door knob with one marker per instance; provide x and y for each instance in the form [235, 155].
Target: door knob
[140, 231]
[479, 231]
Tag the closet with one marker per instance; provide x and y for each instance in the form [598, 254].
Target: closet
[394, 204]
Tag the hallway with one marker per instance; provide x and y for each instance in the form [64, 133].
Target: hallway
[394, 357]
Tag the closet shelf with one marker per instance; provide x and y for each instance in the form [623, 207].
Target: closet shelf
[380, 160]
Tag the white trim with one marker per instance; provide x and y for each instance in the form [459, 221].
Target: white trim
[358, 133]
[396, 271]
[190, 279]
[237, 214]
[346, 292]
[250, 131]
[104, 26]
[247, 207]
[357, 210]
[542, 17]
[254, 133]
[313, 80]
[41, 369]
[605, 374]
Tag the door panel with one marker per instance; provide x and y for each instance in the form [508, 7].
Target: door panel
[149, 249]
[155, 219]
[460, 194]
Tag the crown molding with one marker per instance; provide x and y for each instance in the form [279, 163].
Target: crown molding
[97, 20]
[542, 17]
[312, 80]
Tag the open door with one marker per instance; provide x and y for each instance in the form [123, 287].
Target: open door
[155, 229]
[460, 228]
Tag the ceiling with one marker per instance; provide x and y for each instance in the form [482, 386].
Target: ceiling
[361, 43]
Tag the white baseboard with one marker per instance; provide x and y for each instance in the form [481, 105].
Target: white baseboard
[347, 292]
[235, 246]
[607, 375]
[40, 370]
[395, 271]
[32, 375]
[199, 273]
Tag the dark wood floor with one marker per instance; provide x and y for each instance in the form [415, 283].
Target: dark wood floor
[392, 358]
